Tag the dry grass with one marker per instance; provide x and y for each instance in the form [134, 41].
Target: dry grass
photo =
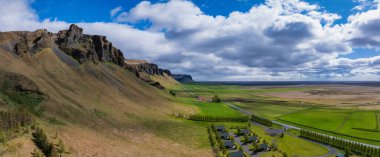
[339, 95]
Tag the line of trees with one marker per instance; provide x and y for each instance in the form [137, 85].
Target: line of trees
[349, 146]
[14, 123]
[207, 118]
[10, 120]
[262, 121]
[216, 142]
[48, 149]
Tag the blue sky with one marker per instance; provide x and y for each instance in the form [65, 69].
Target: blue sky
[98, 10]
[74, 11]
[224, 39]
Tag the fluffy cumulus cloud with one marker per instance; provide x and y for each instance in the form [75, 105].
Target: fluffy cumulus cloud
[277, 40]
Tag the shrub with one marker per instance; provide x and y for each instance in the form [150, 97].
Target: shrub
[216, 99]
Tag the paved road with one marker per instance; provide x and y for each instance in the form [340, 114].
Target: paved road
[286, 125]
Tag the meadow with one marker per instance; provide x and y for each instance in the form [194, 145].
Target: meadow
[350, 122]
[264, 107]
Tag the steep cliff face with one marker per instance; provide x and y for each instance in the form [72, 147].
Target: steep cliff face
[183, 78]
[84, 47]
[146, 67]
[73, 42]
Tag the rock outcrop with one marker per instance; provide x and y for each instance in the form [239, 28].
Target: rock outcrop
[183, 78]
[26, 42]
[84, 47]
[144, 66]
[81, 47]
[73, 42]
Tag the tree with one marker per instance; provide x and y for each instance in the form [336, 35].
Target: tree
[36, 153]
[54, 151]
[245, 138]
[241, 148]
[284, 154]
[255, 146]
[61, 147]
[41, 141]
[264, 141]
[216, 99]
[172, 92]
[282, 135]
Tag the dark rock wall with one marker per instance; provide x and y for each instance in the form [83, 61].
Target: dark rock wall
[183, 78]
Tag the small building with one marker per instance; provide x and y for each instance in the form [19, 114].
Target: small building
[264, 147]
[244, 132]
[229, 144]
[252, 139]
[224, 136]
[220, 128]
[200, 99]
[236, 154]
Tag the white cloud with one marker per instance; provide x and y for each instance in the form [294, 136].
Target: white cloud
[115, 11]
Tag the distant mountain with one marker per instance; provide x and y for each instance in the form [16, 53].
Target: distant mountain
[183, 78]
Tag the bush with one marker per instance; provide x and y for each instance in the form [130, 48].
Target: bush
[216, 99]
[172, 92]
[41, 141]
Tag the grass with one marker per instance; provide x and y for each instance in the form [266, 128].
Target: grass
[325, 119]
[210, 108]
[269, 110]
[293, 146]
[363, 124]
[343, 122]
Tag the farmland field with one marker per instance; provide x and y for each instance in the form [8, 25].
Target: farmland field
[210, 108]
[325, 119]
[358, 122]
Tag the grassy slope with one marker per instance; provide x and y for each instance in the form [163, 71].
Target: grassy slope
[105, 110]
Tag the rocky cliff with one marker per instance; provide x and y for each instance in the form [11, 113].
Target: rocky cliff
[143, 69]
[184, 78]
[73, 42]
[82, 47]
[144, 66]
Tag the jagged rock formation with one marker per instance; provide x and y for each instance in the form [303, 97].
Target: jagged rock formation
[84, 47]
[22, 42]
[144, 66]
[141, 67]
[73, 42]
[81, 47]
[184, 78]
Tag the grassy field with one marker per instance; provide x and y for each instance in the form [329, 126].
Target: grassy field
[293, 146]
[209, 108]
[347, 122]
[354, 125]
[269, 110]
[325, 119]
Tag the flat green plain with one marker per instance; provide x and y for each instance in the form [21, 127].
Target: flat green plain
[325, 119]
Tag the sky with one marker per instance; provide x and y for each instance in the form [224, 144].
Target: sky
[224, 40]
